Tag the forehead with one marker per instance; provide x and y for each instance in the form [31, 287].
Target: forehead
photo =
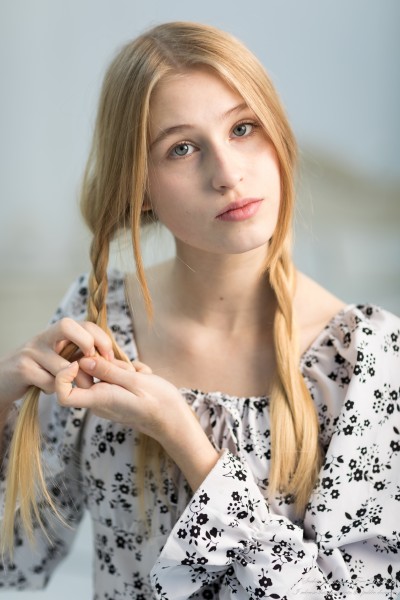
[188, 96]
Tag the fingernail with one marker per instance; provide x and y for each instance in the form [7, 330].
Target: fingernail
[110, 355]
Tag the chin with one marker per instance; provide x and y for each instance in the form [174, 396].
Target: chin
[237, 243]
[243, 248]
[247, 243]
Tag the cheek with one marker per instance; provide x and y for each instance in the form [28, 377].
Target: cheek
[269, 168]
[160, 190]
[167, 197]
[164, 181]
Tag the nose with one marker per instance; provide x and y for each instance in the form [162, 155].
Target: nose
[226, 170]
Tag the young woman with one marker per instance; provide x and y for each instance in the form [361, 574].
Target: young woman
[231, 426]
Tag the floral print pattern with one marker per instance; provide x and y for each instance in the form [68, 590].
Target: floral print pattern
[227, 540]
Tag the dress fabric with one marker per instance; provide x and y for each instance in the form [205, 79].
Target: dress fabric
[226, 540]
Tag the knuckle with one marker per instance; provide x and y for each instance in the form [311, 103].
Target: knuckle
[65, 324]
[98, 333]
[24, 362]
[48, 388]
[71, 328]
[62, 400]
[106, 369]
[30, 346]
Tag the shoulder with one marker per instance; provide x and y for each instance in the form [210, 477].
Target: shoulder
[360, 343]
[365, 330]
[353, 369]
[314, 308]
[352, 358]
[351, 326]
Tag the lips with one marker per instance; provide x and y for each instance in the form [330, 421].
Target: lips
[237, 206]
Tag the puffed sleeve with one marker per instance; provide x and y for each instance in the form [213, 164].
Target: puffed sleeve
[32, 566]
[228, 538]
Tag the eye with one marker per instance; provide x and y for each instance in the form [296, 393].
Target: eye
[181, 150]
[242, 129]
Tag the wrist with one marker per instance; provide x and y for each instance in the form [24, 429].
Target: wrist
[12, 385]
[192, 451]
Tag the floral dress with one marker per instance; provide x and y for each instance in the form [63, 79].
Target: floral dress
[226, 540]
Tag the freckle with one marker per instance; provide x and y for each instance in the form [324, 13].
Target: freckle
[221, 298]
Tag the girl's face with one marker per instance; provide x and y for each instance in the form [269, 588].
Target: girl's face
[213, 174]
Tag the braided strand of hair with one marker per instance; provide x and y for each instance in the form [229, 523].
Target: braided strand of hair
[296, 456]
[25, 478]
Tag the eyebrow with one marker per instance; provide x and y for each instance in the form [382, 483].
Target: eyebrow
[177, 128]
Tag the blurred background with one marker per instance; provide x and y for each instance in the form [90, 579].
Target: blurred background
[336, 66]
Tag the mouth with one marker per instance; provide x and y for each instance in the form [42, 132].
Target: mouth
[240, 210]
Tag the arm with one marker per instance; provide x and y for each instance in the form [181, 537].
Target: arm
[134, 396]
[37, 363]
[228, 534]
[349, 543]
[11, 388]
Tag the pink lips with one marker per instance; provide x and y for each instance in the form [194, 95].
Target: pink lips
[240, 210]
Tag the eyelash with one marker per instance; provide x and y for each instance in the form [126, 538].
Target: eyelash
[254, 125]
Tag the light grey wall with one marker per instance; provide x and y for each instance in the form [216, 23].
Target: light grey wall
[336, 65]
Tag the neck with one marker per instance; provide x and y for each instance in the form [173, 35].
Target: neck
[226, 292]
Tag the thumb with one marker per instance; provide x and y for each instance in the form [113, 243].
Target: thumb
[64, 380]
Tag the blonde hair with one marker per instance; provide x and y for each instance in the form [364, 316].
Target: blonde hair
[113, 193]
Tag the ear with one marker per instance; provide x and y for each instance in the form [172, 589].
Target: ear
[146, 204]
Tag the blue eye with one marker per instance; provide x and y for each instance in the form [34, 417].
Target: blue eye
[183, 149]
[242, 129]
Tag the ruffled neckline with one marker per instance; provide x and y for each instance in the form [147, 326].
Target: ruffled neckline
[305, 356]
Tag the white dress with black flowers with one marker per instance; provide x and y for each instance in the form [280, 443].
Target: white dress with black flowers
[226, 541]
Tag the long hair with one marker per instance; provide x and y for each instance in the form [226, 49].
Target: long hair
[113, 194]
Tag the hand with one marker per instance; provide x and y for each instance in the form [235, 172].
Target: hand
[136, 397]
[38, 361]
[128, 393]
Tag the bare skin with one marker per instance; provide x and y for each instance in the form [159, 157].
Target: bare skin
[225, 349]
[38, 361]
[126, 389]
[213, 307]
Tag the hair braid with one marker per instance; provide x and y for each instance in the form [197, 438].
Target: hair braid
[98, 289]
[296, 455]
[150, 453]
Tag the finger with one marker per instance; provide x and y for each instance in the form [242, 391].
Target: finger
[83, 380]
[43, 381]
[72, 331]
[86, 336]
[123, 364]
[63, 382]
[107, 371]
[141, 367]
[101, 398]
[37, 367]
[102, 340]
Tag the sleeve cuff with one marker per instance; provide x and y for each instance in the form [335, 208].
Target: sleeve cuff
[227, 533]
